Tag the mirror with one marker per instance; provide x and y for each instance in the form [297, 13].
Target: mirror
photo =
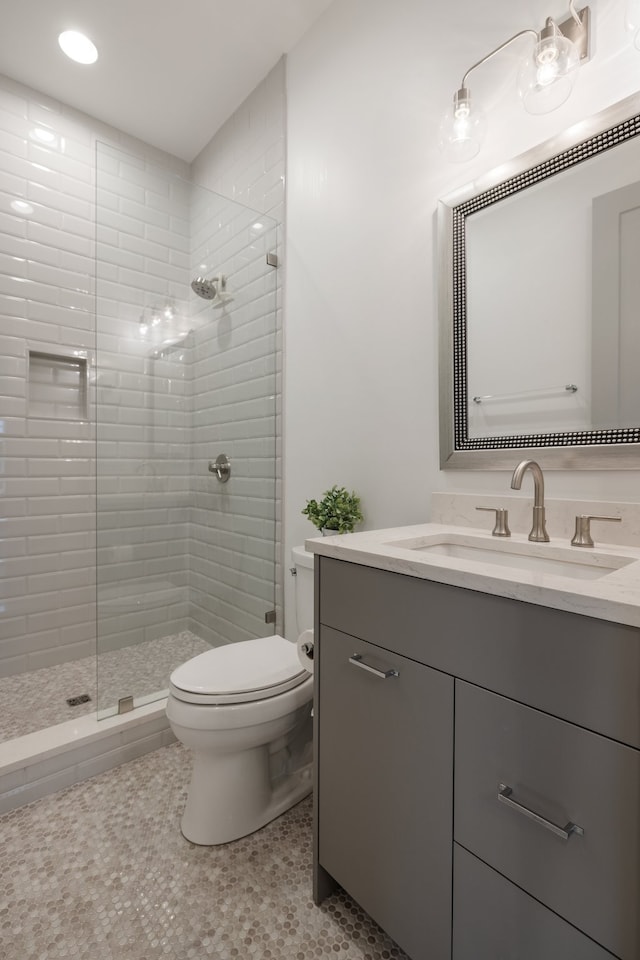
[539, 286]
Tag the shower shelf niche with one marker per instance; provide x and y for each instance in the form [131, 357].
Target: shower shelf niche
[58, 385]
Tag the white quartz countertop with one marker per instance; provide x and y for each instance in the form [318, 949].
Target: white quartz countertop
[613, 593]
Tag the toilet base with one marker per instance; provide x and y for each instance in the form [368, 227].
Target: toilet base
[219, 812]
[251, 761]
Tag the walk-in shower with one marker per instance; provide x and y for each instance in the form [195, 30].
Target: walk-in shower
[183, 562]
[169, 560]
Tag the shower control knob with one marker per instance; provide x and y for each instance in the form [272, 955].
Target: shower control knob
[221, 466]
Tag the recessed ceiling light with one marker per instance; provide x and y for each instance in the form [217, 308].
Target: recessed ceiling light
[77, 46]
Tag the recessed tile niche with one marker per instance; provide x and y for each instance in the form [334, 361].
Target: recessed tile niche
[57, 386]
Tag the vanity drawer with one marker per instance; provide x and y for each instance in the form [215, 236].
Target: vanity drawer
[494, 920]
[563, 774]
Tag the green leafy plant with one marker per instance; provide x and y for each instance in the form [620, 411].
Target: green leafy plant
[338, 510]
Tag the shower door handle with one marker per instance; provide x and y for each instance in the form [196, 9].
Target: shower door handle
[221, 466]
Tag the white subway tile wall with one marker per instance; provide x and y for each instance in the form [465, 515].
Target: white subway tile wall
[160, 523]
[245, 160]
[142, 413]
[47, 168]
[233, 387]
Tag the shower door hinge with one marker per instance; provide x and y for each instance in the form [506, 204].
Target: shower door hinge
[272, 260]
[125, 705]
[270, 616]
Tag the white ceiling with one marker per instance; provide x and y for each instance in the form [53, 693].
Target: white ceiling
[169, 71]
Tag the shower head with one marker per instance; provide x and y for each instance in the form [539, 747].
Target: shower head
[204, 288]
[210, 289]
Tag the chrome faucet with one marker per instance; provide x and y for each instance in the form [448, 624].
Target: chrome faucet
[538, 530]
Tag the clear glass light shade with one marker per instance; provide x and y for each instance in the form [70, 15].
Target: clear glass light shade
[546, 78]
[462, 131]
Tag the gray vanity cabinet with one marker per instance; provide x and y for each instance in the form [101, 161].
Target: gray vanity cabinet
[385, 739]
[511, 832]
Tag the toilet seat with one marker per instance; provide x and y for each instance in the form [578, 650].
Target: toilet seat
[239, 672]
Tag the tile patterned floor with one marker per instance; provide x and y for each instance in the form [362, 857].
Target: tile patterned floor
[100, 871]
[35, 700]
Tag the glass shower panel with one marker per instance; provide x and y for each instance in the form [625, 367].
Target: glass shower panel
[183, 561]
[233, 524]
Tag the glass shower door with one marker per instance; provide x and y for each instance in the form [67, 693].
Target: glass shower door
[184, 561]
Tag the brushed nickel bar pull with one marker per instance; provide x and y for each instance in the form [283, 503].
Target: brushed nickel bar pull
[504, 796]
[357, 661]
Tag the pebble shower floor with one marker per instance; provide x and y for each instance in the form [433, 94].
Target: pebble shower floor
[38, 699]
[100, 871]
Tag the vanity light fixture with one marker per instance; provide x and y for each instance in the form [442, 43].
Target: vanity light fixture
[77, 46]
[545, 81]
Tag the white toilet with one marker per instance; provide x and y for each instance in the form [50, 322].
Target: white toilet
[244, 709]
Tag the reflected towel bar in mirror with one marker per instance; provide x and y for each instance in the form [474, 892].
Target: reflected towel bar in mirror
[569, 387]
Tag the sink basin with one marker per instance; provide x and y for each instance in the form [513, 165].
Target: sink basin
[517, 556]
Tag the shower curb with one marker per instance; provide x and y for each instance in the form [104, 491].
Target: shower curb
[41, 763]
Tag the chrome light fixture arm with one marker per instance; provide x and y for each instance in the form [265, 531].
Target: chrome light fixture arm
[489, 56]
[544, 80]
[463, 95]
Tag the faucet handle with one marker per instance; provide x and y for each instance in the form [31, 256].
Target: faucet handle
[582, 536]
[501, 528]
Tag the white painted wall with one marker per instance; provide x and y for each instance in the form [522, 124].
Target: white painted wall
[366, 88]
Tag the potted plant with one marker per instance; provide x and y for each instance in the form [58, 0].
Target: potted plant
[337, 512]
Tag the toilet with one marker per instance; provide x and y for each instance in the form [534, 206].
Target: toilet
[244, 710]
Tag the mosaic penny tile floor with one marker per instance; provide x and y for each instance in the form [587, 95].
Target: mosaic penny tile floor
[100, 871]
[38, 699]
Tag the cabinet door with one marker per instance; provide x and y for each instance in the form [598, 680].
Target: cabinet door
[384, 786]
[495, 920]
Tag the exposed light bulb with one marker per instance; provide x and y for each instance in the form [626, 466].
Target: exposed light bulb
[462, 129]
[546, 78]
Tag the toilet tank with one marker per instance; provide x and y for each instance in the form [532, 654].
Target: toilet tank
[302, 562]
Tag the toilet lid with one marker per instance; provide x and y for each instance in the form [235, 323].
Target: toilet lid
[239, 672]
